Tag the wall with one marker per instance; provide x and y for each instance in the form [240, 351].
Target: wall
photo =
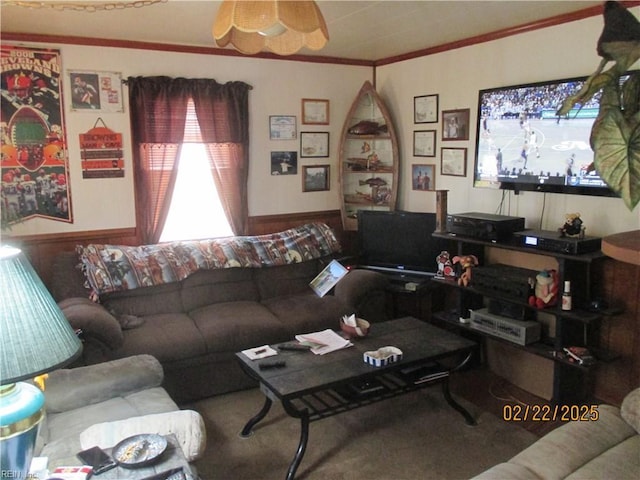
[456, 76]
[278, 87]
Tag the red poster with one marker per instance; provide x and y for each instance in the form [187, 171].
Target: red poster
[101, 153]
[35, 173]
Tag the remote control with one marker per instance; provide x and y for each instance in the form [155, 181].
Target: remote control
[277, 364]
[293, 346]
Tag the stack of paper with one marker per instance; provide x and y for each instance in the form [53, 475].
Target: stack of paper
[257, 353]
[324, 342]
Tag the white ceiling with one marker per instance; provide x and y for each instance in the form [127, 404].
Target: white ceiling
[361, 29]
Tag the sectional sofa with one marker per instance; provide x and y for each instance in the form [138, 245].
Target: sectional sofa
[192, 305]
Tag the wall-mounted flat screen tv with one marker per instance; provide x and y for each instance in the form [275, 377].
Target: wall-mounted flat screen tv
[522, 144]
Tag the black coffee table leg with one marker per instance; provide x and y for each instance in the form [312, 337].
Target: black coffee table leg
[247, 430]
[302, 446]
[455, 405]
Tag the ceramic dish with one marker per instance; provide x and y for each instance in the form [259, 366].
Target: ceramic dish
[383, 356]
[139, 450]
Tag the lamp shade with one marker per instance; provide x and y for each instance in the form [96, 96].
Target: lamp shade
[35, 336]
[282, 26]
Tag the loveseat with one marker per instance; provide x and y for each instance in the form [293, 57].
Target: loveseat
[606, 447]
[192, 305]
[106, 403]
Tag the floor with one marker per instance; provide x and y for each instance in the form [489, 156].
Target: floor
[490, 392]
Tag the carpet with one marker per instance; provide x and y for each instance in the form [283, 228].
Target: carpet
[415, 436]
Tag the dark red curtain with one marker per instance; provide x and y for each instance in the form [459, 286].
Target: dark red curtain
[158, 110]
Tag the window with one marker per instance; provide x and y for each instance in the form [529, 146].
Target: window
[196, 211]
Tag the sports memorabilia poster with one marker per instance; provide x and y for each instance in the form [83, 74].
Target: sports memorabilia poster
[34, 163]
[101, 153]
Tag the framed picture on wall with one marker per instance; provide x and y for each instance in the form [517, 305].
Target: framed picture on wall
[282, 127]
[315, 178]
[454, 162]
[424, 143]
[95, 91]
[425, 109]
[315, 111]
[423, 177]
[455, 124]
[314, 144]
[284, 163]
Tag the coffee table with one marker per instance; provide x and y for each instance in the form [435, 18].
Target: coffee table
[312, 387]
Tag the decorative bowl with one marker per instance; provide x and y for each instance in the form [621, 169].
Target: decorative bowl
[383, 356]
[360, 330]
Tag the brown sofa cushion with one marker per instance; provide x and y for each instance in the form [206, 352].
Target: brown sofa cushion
[285, 280]
[308, 313]
[207, 287]
[234, 326]
[167, 336]
[145, 301]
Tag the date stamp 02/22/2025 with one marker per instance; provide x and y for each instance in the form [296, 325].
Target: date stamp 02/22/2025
[550, 413]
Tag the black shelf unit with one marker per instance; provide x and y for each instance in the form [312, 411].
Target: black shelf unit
[578, 327]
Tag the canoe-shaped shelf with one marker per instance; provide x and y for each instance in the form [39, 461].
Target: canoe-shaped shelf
[368, 158]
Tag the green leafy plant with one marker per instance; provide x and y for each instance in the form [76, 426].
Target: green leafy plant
[615, 135]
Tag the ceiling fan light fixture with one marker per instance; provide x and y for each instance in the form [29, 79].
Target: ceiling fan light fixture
[281, 26]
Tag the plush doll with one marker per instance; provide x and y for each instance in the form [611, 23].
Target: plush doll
[572, 226]
[445, 267]
[467, 262]
[544, 289]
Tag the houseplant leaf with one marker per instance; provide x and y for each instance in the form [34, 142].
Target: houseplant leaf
[615, 139]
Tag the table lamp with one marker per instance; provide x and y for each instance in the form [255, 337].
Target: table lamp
[35, 338]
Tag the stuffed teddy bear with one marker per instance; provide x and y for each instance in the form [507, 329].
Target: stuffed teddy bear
[467, 262]
[572, 226]
[544, 289]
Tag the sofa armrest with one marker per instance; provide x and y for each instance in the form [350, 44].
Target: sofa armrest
[359, 287]
[94, 320]
[186, 425]
[68, 389]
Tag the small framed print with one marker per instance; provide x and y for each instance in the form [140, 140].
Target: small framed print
[423, 177]
[454, 162]
[284, 163]
[315, 111]
[425, 109]
[424, 143]
[314, 144]
[96, 92]
[282, 127]
[315, 178]
[455, 124]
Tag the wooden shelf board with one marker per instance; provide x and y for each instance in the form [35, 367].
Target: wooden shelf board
[624, 247]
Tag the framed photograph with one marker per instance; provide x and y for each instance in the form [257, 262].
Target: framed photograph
[282, 127]
[315, 111]
[423, 177]
[455, 124]
[454, 162]
[328, 277]
[425, 109]
[284, 163]
[315, 178]
[314, 144]
[424, 143]
[95, 91]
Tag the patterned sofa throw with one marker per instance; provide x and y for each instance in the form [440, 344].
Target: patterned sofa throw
[113, 268]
